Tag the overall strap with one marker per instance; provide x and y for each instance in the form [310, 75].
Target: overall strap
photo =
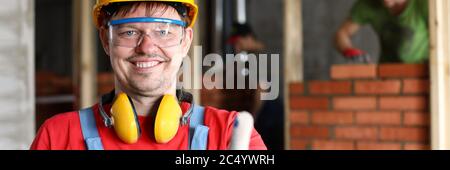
[89, 129]
[198, 132]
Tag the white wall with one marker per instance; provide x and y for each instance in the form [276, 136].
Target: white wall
[16, 74]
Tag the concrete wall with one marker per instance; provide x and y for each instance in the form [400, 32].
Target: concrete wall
[16, 74]
[268, 26]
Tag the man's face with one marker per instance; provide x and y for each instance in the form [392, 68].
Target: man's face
[147, 70]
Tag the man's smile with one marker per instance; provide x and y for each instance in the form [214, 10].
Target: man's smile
[141, 64]
[146, 64]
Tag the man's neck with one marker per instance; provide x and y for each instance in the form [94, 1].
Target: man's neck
[146, 105]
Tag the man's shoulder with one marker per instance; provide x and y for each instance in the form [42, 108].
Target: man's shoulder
[66, 118]
[62, 119]
[366, 11]
[59, 132]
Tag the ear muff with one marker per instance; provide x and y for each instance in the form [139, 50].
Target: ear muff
[167, 119]
[125, 120]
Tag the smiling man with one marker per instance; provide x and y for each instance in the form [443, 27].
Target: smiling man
[146, 42]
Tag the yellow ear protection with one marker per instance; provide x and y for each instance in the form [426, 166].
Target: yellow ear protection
[124, 118]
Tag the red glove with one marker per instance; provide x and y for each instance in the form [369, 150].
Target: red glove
[352, 53]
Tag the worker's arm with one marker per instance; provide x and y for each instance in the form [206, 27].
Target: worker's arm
[344, 39]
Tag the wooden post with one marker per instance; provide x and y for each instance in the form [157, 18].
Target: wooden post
[196, 56]
[196, 65]
[85, 58]
[292, 55]
[439, 69]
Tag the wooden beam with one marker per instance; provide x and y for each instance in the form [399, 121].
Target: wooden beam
[196, 65]
[292, 55]
[440, 70]
[196, 56]
[85, 58]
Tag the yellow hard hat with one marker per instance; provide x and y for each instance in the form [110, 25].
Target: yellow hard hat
[193, 12]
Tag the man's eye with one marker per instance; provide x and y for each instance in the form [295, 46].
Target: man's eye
[163, 33]
[129, 33]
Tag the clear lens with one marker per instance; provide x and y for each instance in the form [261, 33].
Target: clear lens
[132, 34]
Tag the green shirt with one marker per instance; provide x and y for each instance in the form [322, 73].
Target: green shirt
[404, 38]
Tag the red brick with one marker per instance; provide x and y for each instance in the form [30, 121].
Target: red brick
[404, 103]
[332, 118]
[360, 133]
[403, 70]
[353, 71]
[296, 89]
[405, 134]
[378, 146]
[332, 145]
[377, 87]
[299, 117]
[309, 132]
[416, 86]
[309, 103]
[354, 103]
[416, 119]
[299, 144]
[414, 146]
[378, 118]
[330, 87]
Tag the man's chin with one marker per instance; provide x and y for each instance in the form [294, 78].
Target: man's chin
[149, 92]
[148, 87]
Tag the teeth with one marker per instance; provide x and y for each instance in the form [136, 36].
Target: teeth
[146, 64]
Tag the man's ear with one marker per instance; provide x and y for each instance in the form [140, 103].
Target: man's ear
[103, 33]
[187, 40]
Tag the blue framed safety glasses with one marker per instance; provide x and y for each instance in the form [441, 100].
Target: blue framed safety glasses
[130, 32]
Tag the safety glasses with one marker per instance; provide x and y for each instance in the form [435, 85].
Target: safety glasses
[162, 32]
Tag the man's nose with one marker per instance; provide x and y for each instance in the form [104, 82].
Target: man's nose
[146, 45]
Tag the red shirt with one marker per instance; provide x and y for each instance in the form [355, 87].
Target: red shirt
[63, 132]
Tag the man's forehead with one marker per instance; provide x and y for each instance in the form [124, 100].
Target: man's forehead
[157, 11]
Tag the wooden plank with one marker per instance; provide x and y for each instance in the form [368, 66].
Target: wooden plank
[196, 64]
[439, 71]
[293, 59]
[85, 58]
[196, 55]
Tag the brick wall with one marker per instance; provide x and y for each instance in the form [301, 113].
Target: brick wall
[366, 107]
